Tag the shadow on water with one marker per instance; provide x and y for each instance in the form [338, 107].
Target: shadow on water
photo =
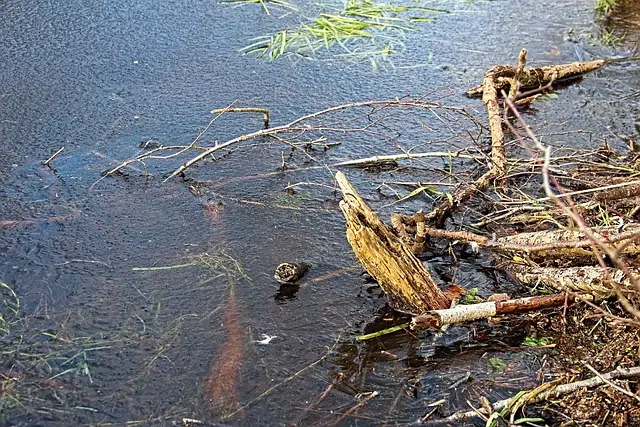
[128, 312]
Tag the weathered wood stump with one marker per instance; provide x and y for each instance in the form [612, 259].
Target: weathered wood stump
[401, 275]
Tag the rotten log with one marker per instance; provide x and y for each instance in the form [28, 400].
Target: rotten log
[399, 273]
[596, 281]
[436, 319]
[551, 243]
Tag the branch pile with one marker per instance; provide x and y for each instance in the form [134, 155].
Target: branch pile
[588, 262]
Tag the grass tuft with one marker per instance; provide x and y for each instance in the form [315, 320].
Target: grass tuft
[360, 19]
[606, 7]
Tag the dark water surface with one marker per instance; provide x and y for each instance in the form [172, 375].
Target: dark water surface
[99, 77]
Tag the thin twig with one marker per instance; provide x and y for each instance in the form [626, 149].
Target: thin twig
[264, 111]
[46, 162]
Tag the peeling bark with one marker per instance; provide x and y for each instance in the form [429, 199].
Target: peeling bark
[596, 281]
[464, 313]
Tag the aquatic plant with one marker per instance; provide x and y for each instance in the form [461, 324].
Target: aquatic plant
[605, 7]
[220, 386]
[264, 4]
[218, 264]
[360, 19]
[609, 38]
[9, 306]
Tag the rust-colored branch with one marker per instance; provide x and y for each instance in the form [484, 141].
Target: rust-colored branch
[436, 319]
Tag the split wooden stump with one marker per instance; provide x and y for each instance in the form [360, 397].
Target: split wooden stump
[401, 275]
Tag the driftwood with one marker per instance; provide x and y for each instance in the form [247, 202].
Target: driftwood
[532, 78]
[401, 275]
[436, 319]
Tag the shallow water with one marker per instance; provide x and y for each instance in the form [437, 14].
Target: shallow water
[99, 77]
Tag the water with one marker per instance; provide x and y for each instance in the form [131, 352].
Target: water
[99, 77]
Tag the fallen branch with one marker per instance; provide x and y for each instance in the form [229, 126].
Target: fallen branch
[558, 390]
[490, 100]
[552, 243]
[498, 156]
[611, 254]
[495, 80]
[532, 78]
[297, 126]
[621, 185]
[436, 319]
[449, 204]
[395, 157]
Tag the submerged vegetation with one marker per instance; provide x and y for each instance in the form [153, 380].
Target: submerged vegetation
[610, 38]
[8, 309]
[39, 357]
[48, 368]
